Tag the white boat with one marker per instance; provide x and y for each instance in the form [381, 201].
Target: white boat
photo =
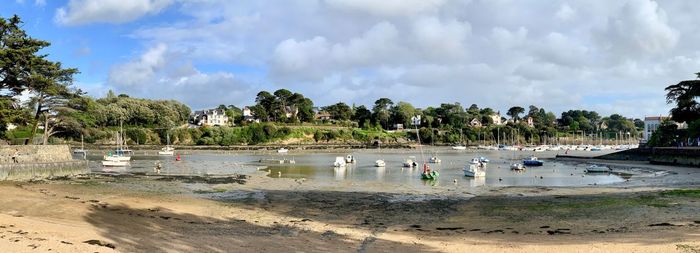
[517, 166]
[339, 162]
[117, 158]
[473, 171]
[82, 149]
[282, 150]
[379, 163]
[410, 162]
[115, 163]
[167, 150]
[597, 168]
[483, 159]
[434, 159]
[475, 161]
[350, 159]
[459, 147]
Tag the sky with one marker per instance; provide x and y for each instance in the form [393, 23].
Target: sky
[607, 56]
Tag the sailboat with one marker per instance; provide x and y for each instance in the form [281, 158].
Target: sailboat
[81, 150]
[379, 163]
[167, 150]
[460, 146]
[427, 173]
[119, 155]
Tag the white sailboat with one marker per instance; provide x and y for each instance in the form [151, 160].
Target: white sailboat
[473, 171]
[460, 146]
[119, 158]
[379, 163]
[167, 150]
[339, 162]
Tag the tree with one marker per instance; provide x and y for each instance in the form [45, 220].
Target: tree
[264, 105]
[19, 56]
[514, 112]
[684, 95]
[362, 116]
[402, 113]
[339, 111]
[381, 111]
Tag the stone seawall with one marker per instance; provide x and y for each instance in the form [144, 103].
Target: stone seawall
[38, 161]
[671, 156]
[29, 171]
[35, 153]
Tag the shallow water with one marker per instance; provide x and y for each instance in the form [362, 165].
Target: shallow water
[317, 165]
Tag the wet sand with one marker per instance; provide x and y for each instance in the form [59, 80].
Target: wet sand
[263, 214]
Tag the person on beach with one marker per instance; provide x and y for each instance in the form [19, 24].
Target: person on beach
[15, 156]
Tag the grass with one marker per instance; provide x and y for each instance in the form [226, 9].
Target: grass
[688, 193]
[687, 248]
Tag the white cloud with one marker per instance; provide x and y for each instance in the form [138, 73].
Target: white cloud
[565, 12]
[40, 3]
[160, 73]
[80, 12]
[388, 7]
[639, 27]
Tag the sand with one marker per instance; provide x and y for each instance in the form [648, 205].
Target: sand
[144, 214]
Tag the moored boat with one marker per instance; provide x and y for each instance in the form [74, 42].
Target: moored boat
[598, 169]
[115, 163]
[350, 159]
[428, 174]
[473, 171]
[379, 163]
[434, 159]
[410, 162]
[517, 167]
[532, 161]
[339, 162]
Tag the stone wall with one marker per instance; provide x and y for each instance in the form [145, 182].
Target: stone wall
[35, 153]
[672, 156]
[38, 161]
[29, 171]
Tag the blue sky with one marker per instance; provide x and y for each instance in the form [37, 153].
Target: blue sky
[608, 56]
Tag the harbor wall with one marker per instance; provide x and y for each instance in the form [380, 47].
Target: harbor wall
[666, 155]
[38, 162]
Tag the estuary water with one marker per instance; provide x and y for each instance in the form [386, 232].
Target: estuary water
[318, 165]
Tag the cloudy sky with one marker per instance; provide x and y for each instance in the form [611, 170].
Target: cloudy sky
[609, 56]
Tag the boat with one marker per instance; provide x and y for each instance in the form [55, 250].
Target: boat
[597, 169]
[379, 163]
[473, 171]
[339, 162]
[475, 161]
[350, 159]
[483, 159]
[532, 161]
[115, 163]
[429, 174]
[410, 162]
[282, 150]
[167, 150]
[434, 159]
[81, 150]
[460, 146]
[517, 167]
[120, 154]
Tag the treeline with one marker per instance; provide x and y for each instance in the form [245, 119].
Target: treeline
[683, 128]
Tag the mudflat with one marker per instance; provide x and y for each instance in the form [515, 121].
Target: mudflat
[257, 213]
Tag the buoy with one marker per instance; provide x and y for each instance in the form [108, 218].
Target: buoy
[177, 158]
[454, 180]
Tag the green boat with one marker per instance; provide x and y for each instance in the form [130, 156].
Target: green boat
[430, 175]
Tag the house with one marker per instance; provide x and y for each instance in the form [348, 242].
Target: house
[248, 115]
[398, 127]
[496, 118]
[322, 115]
[603, 125]
[211, 117]
[475, 122]
[530, 122]
[290, 112]
[651, 124]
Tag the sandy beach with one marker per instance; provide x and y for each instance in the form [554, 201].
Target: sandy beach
[256, 213]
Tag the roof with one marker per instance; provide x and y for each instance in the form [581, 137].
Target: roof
[656, 118]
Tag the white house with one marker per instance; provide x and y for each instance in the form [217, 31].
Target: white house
[248, 115]
[212, 117]
[651, 124]
[496, 118]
